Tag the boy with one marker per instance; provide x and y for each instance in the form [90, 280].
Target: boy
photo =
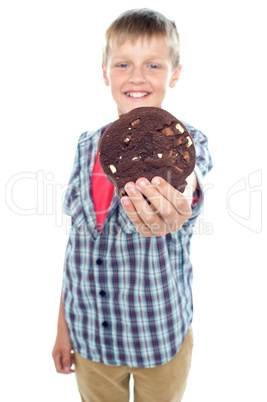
[126, 304]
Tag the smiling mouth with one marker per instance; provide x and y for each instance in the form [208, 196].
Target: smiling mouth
[136, 94]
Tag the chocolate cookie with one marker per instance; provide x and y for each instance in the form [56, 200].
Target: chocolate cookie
[146, 142]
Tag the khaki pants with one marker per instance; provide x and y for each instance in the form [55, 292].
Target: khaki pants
[98, 382]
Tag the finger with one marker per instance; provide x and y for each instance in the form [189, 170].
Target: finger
[130, 209]
[63, 362]
[159, 203]
[58, 363]
[175, 197]
[144, 211]
[171, 220]
[67, 362]
[135, 218]
[133, 200]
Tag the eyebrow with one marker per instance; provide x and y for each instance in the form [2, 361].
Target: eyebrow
[124, 56]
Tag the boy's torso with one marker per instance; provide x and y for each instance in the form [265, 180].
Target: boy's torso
[127, 298]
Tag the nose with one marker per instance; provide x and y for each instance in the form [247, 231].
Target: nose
[137, 76]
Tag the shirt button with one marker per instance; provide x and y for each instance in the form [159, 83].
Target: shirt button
[105, 324]
[99, 261]
[102, 293]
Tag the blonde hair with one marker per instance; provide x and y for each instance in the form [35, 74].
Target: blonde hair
[133, 24]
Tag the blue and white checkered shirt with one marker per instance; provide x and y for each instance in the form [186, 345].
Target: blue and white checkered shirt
[127, 298]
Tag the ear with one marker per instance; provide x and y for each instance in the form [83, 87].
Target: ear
[175, 76]
[105, 76]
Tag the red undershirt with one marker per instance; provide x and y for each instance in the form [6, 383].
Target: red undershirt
[102, 192]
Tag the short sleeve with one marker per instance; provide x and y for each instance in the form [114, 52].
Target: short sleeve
[202, 167]
[73, 186]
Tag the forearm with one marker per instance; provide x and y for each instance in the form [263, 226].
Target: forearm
[191, 187]
[194, 182]
[63, 351]
[62, 324]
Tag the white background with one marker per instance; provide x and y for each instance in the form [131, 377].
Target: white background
[52, 91]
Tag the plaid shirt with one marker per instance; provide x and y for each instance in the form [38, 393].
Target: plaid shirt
[127, 298]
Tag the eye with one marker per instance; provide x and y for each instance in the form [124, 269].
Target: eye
[153, 66]
[123, 65]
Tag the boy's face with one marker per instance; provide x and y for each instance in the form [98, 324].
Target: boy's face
[140, 73]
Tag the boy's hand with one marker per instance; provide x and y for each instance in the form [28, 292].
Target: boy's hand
[168, 210]
[63, 353]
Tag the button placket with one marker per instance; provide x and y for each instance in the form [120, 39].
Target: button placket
[102, 293]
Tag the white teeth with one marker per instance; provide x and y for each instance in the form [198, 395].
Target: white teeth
[136, 94]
